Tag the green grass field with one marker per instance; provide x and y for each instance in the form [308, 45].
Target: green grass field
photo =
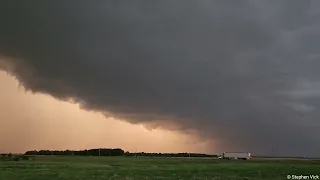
[142, 168]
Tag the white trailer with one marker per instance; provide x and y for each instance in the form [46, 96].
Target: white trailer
[236, 155]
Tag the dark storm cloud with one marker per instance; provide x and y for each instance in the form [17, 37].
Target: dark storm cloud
[243, 73]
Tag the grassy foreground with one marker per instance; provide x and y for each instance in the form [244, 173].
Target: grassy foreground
[131, 168]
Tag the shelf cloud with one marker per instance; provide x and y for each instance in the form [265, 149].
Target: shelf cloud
[242, 73]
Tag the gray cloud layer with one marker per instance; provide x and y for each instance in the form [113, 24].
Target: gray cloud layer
[244, 73]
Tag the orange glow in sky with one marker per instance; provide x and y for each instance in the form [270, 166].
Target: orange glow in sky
[37, 121]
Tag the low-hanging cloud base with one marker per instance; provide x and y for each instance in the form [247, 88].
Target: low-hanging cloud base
[243, 74]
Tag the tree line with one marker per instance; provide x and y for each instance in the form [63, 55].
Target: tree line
[112, 152]
[90, 152]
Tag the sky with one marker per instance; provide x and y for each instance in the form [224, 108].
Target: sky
[233, 75]
[35, 121]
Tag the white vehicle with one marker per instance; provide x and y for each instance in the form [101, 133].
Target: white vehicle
[235, 155]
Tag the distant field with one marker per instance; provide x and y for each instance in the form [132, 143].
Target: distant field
[143, 168]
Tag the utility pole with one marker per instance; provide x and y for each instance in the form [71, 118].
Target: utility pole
[99, 151]
[136, 152]
[274, 150]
